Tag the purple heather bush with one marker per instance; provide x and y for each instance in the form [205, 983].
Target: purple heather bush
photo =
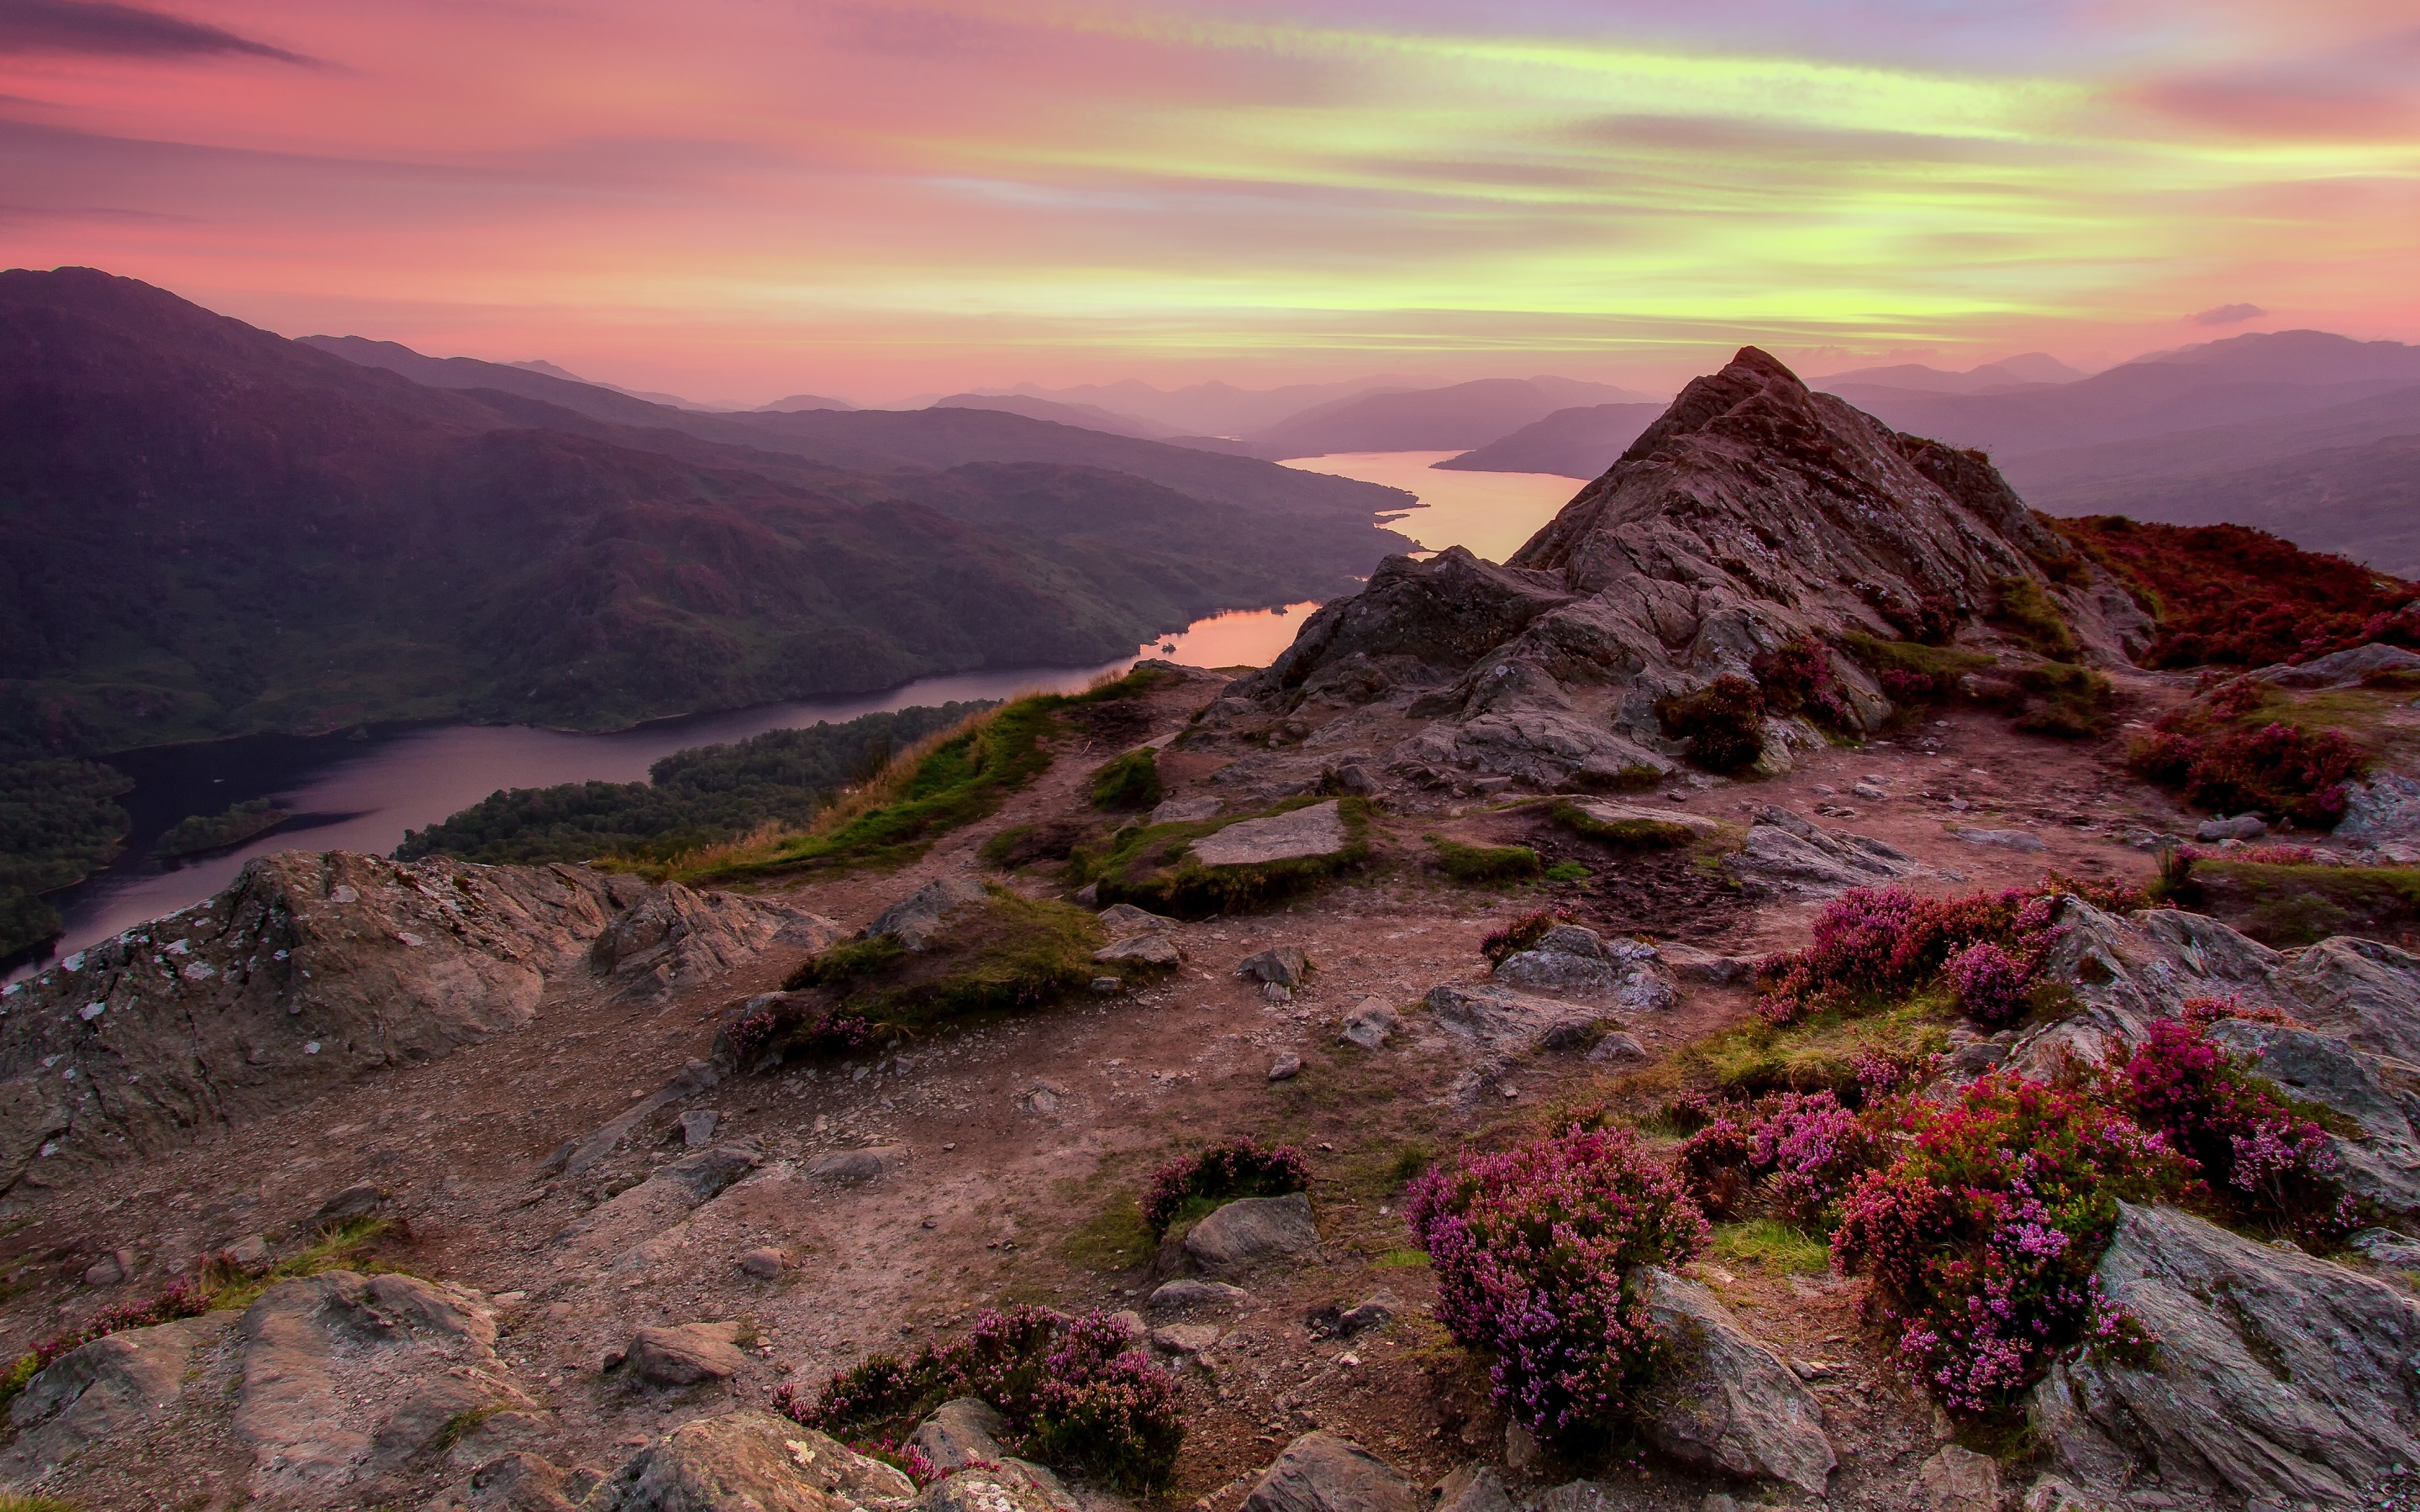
[1795, 677]
[1532, 1248]
[1792, 1154]
[1990, 983]
[1981, 1237]
[1238, 1168]
[1079, 1394]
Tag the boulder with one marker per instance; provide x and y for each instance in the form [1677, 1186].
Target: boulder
[2243, 827]
[1250, 1230]
[2384, 813]
[1728, 1402]
[1568, 958]
[1605, 813]
[690, 1354]
[1371, 1313]
[697, 1128]
[1285, 1067]
[852, 1167]
[1126, 919]
[2012, 839]
[913, 920]
[524, 1482]
[1617, 1046]
[1299, 834]
[1284, 964]
[1474, 1488]
[1189, 1298]
[1368, 1023]
[1498, 1017]
[1322, 1473]
[1185, 1338]
[1187, 811]
[2382, 1166]
[708, 1173]
[1689, 964]
[960, 1430]
[1010, 1485]
[104, 1392]
[2364, 990]
[1787, 855]
[2278, 1379]
[747, 1461]
[2340, 669]
[1960, 1480]
[358, 1201]
[1152, 949]
[763, 1264]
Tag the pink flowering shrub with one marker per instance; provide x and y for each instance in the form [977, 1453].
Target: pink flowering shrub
[1238, 1168]
[1887, 942]
[1795, 1154]
[790, 1025]
[1795, 677]
[2258, 1157]
[1982, 1236]
[1990, 983]
[1079, 1394]
[1532, 1248]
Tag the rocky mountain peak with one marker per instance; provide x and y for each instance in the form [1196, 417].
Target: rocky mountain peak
[1754, 513]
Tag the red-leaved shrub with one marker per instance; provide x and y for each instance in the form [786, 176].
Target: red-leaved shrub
[1793, 1153]
[1982, 1236]
[1795, 677]
[1532, 1248]
[1079, 1394]
[1238, 1168]
[1523, 932]
[2257, 1156]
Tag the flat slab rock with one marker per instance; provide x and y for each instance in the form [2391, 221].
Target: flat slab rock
[1322, 1473]
[1498, 1017]
[1316, 832]
[746, 1462]
[1789, 855]
[1730, 1402]
[1606, 811]
[1250, 1230]
[2280, 1378]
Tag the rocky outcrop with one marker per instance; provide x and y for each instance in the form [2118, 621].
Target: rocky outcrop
[748, 1463]
[1787, 855]
[1728, 1402]
[103, 1393]
[2278, 1379]
[1500, 1019]
[1569, 958]
[913, 920]
[1754, 512]
[315, 969]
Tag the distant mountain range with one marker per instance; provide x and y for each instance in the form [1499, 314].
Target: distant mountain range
[1577, 443]
[2009, 372]
[207, 529]
[1453, 418]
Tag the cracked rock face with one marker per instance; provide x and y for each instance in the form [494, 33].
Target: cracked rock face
[315, 969]
[2278, 1378]
[1752, 513]
[1730, 1402]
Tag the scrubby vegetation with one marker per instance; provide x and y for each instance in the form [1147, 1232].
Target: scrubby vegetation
[2237, 749]
[58, 824]
[2027, 612]
[1080, 1394]
[1723, 722]
[1533, 1249]
[1007, 954]
[200, 832]
[1192, 1186]
[1795, 677]
[2229, 595]
[1130, 781]
[2284, 898]
[1482, 864]
[1790, 1156]
[942, 783]
[1152, 865]
[1520, 934]
[692, 798]
[1912, 672]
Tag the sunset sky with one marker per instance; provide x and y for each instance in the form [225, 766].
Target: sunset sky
[737, 199]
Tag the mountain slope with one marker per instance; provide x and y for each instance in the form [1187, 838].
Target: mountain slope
[1577, 443]
[1084, 416]
[206, 528]
[1454, 417]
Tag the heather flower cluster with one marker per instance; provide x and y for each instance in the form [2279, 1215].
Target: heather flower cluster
[2225, 763]
[1079, 1394]
[789, 1024]
[1532, 1250]
[1238, 1168]
[1794, 1154]
[1888, 942]
[1981, 1237]
[2256, 1155]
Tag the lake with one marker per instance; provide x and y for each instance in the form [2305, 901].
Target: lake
[361, 794]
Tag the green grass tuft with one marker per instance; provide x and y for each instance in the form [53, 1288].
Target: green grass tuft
[1130, 781]
[1819, 1053]
[1567, 871]
[1484, 863]
[1152, 865]
[2283, 906]
[1633, 834]
[2028, 610]
[1011, 953]
[1771, 1247]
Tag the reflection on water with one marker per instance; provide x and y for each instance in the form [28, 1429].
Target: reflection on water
[1491, 513]
[361, 795]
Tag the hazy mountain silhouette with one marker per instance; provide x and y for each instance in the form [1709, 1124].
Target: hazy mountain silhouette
[2009, 372]
[211, 529]
[1454, 417]
[1579, 442]
[1087, 416]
